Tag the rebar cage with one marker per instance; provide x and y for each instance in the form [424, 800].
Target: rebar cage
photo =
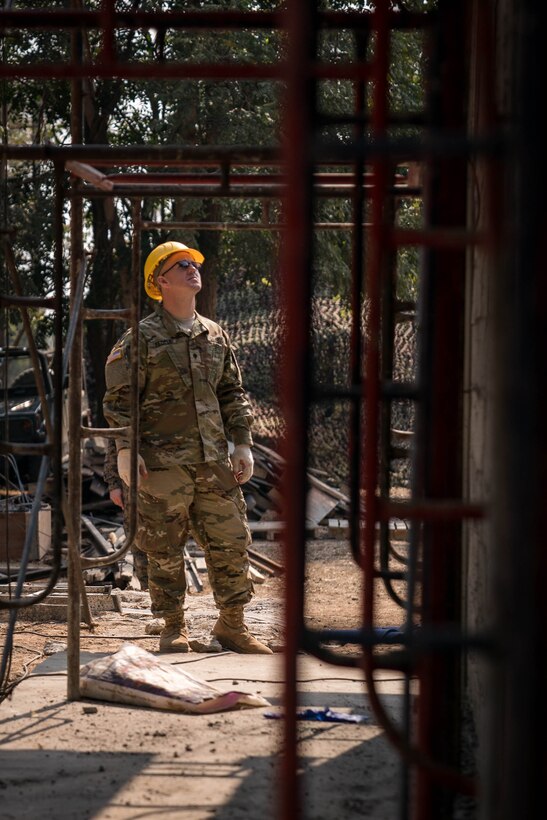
[387, 157]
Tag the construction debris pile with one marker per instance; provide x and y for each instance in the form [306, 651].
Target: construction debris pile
[262, 493]
[103, 530]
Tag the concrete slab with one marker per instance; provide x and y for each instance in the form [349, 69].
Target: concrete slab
[93, 759]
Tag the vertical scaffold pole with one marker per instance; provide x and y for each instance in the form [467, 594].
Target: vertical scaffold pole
[295, 379]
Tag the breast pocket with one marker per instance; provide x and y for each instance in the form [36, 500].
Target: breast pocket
[166, 372]
[215, 362]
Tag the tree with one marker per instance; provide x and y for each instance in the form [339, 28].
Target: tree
[118, 112]
[123, 112]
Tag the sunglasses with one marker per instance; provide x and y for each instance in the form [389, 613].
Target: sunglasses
[183, 263]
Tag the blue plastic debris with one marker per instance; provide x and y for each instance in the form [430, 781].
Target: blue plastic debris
[326, 715]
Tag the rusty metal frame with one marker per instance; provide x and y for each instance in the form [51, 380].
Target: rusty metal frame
[436, 509]
[50, 450]
[515, 777]
[108, 20]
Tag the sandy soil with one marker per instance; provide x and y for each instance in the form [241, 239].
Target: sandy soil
[106, 761]
[333, 599]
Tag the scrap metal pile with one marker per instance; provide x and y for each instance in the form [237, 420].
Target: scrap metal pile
[103, 529]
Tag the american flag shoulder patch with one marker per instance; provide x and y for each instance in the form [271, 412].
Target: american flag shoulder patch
[116, 354]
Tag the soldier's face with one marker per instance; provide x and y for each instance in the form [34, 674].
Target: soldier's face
[180, 272]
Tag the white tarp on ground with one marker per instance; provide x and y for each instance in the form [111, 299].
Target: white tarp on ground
[137, 677]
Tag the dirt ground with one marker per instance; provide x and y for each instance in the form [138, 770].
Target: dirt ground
[332, 595]
[94, 760]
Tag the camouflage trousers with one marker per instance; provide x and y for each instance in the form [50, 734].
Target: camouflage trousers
[205, 499]
[140, 566]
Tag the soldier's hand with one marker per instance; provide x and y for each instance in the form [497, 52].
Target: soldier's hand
[124, 463]
[242, 463]
[116, 496]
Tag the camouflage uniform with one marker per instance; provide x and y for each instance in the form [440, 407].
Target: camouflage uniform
[112, 478]
[191, 400]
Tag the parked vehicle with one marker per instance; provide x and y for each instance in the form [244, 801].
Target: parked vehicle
[21, 414]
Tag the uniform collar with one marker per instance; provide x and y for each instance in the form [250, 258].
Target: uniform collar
[173, 327]
[199, 325]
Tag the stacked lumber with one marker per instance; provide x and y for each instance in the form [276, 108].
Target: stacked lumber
[327, 509]
[264, 499]
[262, 493]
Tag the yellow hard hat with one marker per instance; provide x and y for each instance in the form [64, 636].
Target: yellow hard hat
[157, 256]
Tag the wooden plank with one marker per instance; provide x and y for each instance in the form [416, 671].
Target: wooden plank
[263, 504]
[402, 436]
[259, 471]
[261, 482]
[269, 564]
[338, 527]
[199, 561]
[256, 575]
[276, 497]
[318, 505]
[398, 528]
[192, 574]
[271, 454]
[266, 526]
[328, 490]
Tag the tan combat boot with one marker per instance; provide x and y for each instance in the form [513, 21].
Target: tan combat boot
[231, 633]
[174, 637]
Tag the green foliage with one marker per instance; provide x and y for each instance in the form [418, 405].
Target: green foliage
[410, 215]
[185, 113]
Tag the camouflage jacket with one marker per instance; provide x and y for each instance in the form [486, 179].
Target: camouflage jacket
[191, 395]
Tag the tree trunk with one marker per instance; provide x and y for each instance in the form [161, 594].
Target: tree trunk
[209, 245]
[109, 288]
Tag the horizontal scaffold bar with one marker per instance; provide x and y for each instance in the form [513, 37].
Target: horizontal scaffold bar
[114, 19]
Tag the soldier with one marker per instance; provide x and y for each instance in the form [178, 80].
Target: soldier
[191, 401]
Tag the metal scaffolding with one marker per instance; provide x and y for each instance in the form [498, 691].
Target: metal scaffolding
[375, 162]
